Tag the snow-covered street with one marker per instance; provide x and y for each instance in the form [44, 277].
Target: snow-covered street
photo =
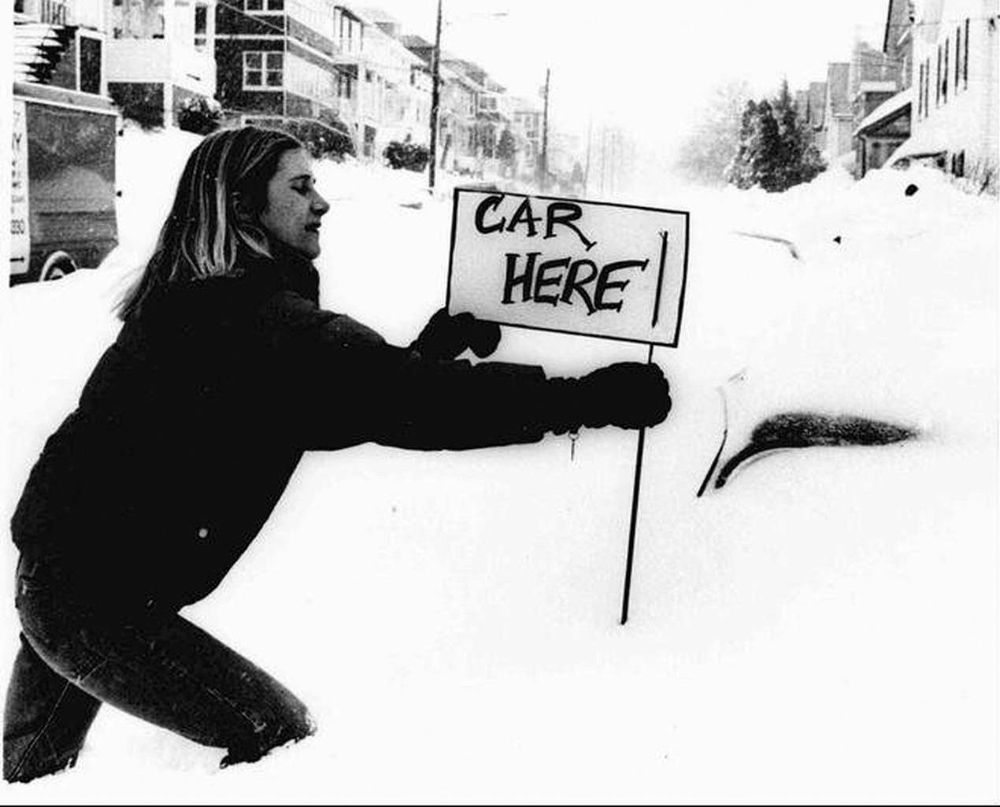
[823, 627]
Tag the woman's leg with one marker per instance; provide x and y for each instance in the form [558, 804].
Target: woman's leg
[45, 719]
[158, 666]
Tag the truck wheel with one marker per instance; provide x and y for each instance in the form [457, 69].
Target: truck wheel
[57, 265]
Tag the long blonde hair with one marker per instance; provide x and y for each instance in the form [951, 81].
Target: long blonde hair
[206, 234]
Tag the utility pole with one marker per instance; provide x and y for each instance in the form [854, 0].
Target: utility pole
[586, 170]
[604, 155]
[435, 99]
[545, 135]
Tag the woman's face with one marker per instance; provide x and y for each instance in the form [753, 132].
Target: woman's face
[294, 208]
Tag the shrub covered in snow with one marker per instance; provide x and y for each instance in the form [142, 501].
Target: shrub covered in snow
[199, 115]
[407, 155]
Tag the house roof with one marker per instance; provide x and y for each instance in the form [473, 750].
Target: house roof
[415, 41]
[897, 22]
[886, 110]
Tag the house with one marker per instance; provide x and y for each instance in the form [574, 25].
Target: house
[395, 86]
[882, 131]
[527, 129]
[457, 105]
[278, 63]
[61, 43]
[955, 117]
[885, 118]
[159, 54]
[838, 117]
[385, 89]
[457, 120]
[810, 106]
[492, 113]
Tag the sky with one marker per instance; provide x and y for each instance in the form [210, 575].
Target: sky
[643, 64]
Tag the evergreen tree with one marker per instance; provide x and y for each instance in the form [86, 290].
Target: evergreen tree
[506, 147]
[776, 149]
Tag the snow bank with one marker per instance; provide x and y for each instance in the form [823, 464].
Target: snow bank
[822, 628]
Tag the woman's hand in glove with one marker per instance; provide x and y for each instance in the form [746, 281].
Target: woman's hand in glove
[446, 336]
[627, 394]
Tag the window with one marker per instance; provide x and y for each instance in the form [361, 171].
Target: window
[344, 82]
[90, 65]
[944, 77]
[262, 69]
[200, 26]
[927, 85]
[958, 56]
[920, 91]
[965, 61]
[264, 5]
[937, 79]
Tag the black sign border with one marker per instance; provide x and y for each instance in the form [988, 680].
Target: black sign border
[684, 272]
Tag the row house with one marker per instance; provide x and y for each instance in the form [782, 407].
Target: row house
[458, 102]
[956, 88]
[492, 113]
[838, 116]
[395, 87]
[883, 129]
[277, 65]
[942, 55]
[457, 121]
[527, 128]
[880, 122]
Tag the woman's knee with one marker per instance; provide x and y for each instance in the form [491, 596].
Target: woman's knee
[283, 727]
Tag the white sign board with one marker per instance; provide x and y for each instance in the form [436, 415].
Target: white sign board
[569, 265]
[20, 240]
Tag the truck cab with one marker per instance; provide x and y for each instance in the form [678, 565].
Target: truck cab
[63, 181]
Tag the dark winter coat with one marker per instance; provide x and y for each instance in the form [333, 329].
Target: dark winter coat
[192, 422]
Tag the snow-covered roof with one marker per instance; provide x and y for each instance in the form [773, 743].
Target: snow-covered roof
[886, 109]
[876, 86]
[923, 142]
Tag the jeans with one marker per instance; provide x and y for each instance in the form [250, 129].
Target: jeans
[77, 653]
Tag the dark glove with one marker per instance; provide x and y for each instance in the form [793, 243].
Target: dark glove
[627, 394]
[446, 336]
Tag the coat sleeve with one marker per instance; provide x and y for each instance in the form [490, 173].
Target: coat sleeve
[337, 383]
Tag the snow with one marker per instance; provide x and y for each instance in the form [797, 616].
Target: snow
[823, 628]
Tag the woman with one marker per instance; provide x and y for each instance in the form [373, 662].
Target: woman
[224, 372]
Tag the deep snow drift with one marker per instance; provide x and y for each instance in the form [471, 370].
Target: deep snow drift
[823, 628]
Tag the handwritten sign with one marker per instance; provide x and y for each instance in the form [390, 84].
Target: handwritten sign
[20, 240]
[569, 265]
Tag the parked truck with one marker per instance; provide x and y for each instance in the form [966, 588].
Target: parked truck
[62, 182]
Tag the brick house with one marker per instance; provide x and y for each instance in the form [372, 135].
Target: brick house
[278, 64]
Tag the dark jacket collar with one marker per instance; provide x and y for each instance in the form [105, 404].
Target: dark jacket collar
[286, 269]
